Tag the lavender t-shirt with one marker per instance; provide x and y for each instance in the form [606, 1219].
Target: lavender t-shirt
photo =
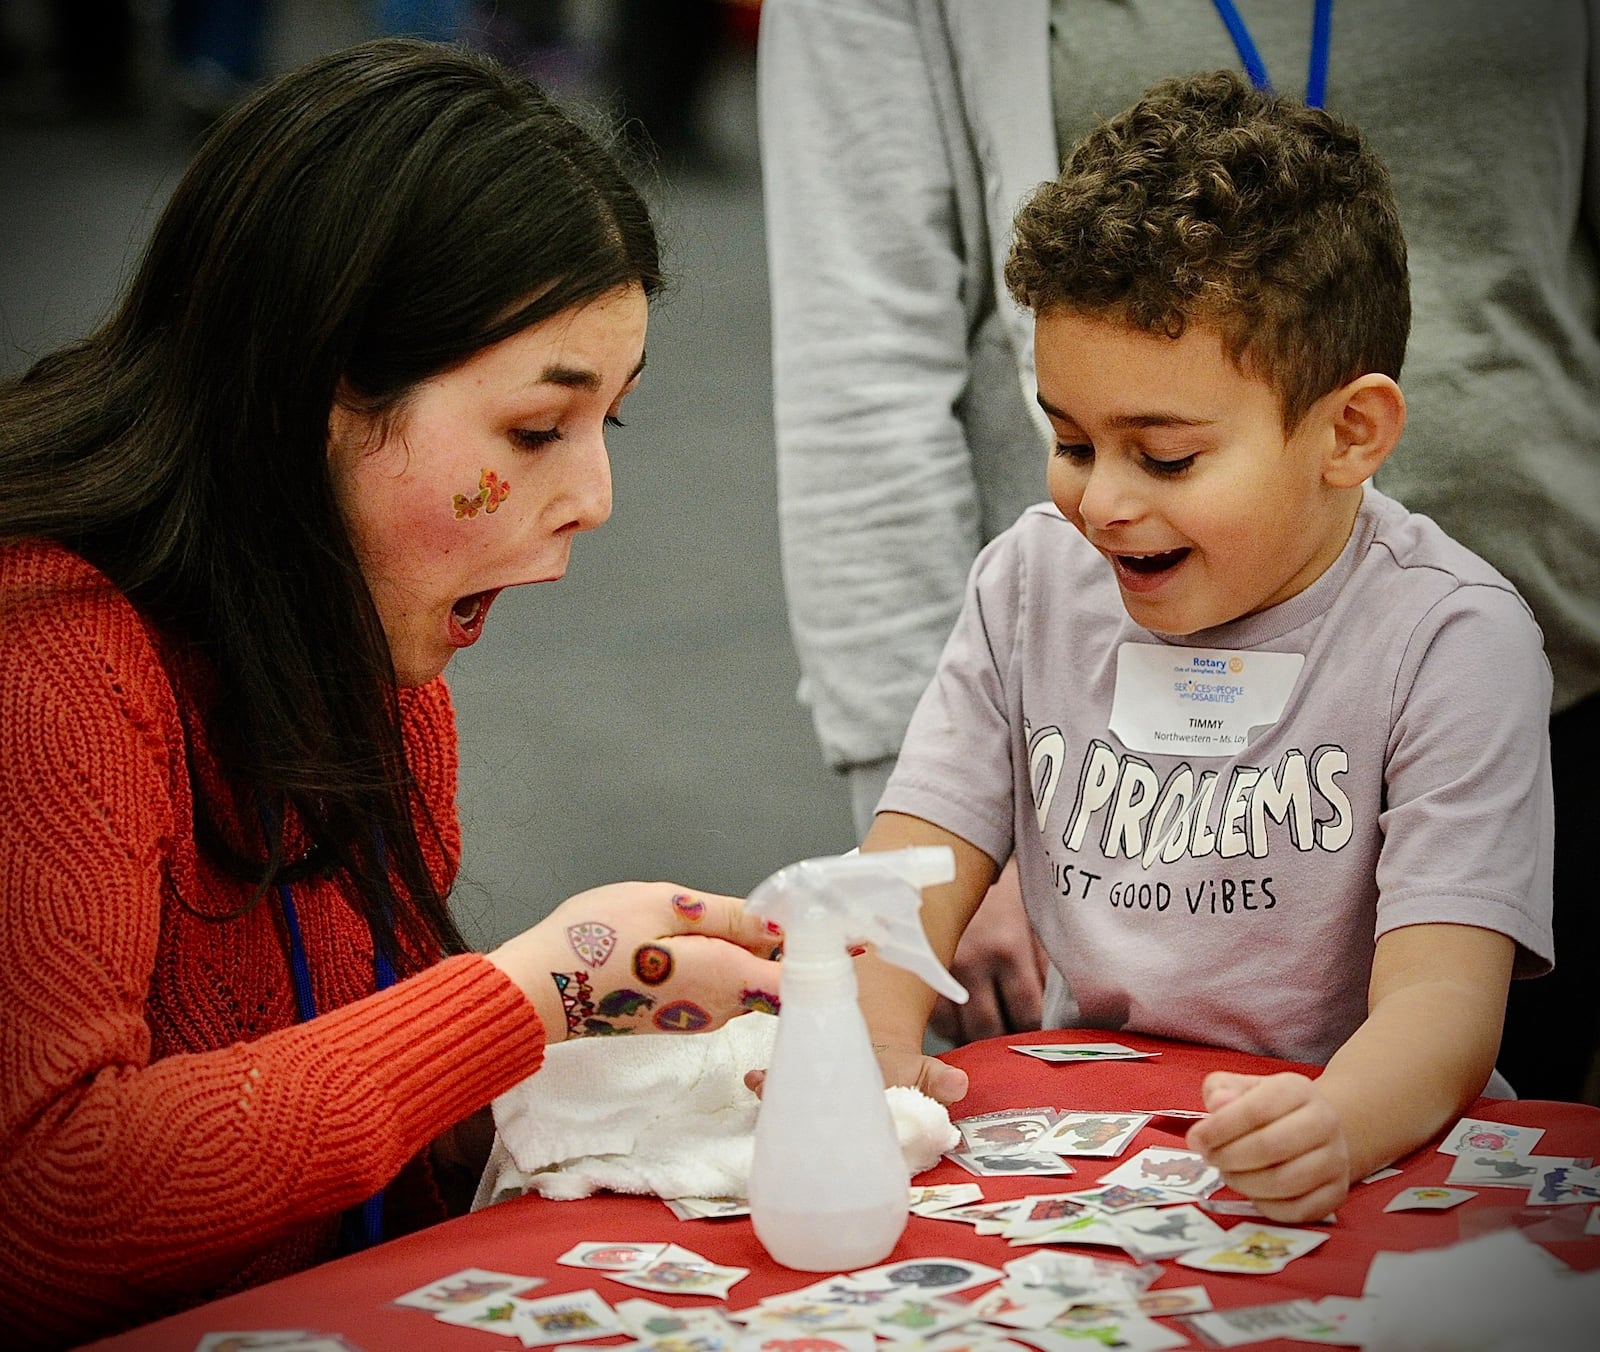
[1234, 899]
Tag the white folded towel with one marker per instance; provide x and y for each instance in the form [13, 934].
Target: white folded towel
[666, 1115]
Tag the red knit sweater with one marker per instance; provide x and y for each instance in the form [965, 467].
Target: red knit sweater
[168, 1131]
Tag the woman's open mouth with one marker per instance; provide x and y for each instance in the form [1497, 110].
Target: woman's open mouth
[467, 617]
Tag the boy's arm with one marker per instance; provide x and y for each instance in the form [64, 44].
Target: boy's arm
[1436, 1000]
[896, 1003]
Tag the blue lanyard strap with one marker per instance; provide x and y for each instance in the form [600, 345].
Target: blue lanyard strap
[361, 1227]
[1256, 68]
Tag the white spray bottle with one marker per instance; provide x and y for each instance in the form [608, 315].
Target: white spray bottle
[829, 1187]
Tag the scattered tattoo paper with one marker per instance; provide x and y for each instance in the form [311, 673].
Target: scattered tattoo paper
[1563, 1181]
[1119, 1197]
[611, 1256]
[1167, 1232]
[1474, 1136]
[937, 1197]
[681, 1278]
[1181, 1171]
[1174, 1300]
[706, 1208]
[1252, 1248]
[1257, 1323]
[1013, 1162]
[1096, 1134]
[929, 1276]
[1011, 1129]
[1063, 1052]
[572, 1315]
[1499, 1169]
[1433, 1198]
[653, 1323]
[467, 1287]
[1378, 1175]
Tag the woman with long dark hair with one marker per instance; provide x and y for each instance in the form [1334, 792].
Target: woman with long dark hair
[358, 385]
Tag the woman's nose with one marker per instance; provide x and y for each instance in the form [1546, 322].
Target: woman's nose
[588, 489]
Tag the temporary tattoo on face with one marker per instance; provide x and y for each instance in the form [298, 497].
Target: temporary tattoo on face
[681, 1016]
[620, 1004]
[577, 999]
[652, 964]
[592, 941]
[492, 491]
[760, 1002]
[688, 907]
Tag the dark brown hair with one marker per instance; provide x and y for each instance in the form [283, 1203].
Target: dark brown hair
[1210, 202]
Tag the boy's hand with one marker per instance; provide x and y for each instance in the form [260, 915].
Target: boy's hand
[1277, 1140]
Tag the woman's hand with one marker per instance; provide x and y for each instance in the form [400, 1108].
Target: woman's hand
[644, 958]
[1277, 1140]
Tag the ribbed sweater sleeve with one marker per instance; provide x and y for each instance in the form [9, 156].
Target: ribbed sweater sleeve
[126, 1184]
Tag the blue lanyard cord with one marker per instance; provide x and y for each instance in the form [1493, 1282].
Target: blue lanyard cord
[361, 1227]
[1256, 68]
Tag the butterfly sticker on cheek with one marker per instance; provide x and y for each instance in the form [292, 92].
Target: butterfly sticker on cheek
[492, 491]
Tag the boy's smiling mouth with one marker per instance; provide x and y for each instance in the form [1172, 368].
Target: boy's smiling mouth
[1146, 572]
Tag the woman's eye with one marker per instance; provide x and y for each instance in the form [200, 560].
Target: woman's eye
[531, 438]
[1077, 452]
[613, 421]
[1169, 469]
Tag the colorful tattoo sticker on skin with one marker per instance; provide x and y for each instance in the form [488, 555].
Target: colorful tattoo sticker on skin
[577, 999]
[621, 1004]
[592, 941]
[492, 491]
[759, 1002]
[652, 964]
[600, 1028]
[690, 908]
[681, 1016]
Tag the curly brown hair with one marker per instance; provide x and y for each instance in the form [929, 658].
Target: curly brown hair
[1211, 202]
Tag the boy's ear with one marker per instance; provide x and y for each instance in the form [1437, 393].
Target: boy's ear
[1367, 417]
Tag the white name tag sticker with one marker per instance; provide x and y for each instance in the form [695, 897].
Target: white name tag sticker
[1198, 701]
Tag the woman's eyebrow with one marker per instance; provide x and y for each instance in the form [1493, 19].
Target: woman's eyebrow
[577, 378]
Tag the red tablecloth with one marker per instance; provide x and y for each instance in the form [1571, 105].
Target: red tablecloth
[353, 1295]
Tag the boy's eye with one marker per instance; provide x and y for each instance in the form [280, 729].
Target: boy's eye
[1077, 452]
[531, 438]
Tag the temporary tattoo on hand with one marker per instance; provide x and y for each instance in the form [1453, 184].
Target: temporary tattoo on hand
[577, 999]
[760, 1002]
[688, 907]
[492, 491]
[592, 941]
[600, 1028]
[620, 1004]
[681, 1016]
[652, 964]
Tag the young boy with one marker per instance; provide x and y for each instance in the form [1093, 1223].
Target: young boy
[1271, 751]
